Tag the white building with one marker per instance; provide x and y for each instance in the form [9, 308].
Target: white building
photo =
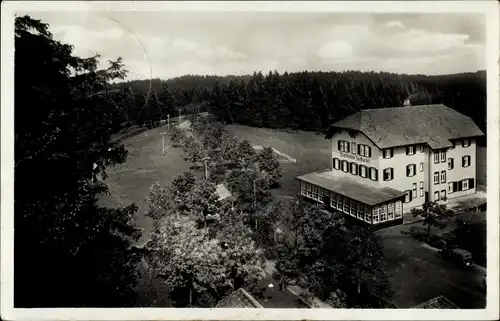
[389, 160]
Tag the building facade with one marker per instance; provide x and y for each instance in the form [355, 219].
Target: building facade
[402, 157]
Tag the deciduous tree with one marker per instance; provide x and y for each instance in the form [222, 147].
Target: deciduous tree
[433, 214]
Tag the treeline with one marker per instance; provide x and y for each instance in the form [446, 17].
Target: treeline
[313, 100]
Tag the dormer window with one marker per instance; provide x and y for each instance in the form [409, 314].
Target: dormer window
[466, 143]
[410, 150]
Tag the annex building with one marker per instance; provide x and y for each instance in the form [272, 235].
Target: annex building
[387, 161]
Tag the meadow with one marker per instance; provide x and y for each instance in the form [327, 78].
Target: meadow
[145, 165]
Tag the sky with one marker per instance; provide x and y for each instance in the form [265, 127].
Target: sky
[170, 44]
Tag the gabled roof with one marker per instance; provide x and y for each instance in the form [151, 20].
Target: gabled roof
[434, 125]
[239, 299]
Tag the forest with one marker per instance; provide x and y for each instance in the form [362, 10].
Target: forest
[305, 100]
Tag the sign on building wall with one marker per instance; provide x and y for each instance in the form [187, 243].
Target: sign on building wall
[355, 157]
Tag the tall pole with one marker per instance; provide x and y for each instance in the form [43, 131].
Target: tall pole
[168, 121]
[179, 114]
[163, 143]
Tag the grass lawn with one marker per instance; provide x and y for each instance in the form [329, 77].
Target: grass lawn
[130, 182]
[311, 151]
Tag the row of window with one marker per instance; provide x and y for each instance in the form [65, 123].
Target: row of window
[462, 185]
[354, 208]
[315, 192]
[386, 212]
[437, 176]
[355, 169]
[364, 150]
[412, 194]
[350, 147]
[388, 173]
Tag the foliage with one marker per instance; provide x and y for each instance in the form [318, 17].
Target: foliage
[60, 151]
[158, 203]
[269, 164]
[344, 267]
[200, 269]
[177, 136]
[246, 153]
[298, 248]
[181, 186]
[250, 187]
[312, 100]
[432, 213]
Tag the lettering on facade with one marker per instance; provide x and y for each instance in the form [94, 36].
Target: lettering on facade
[355, 157]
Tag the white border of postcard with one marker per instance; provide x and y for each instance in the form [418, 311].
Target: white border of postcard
[489, 8]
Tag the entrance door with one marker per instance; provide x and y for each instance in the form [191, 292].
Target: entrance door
[426, 197]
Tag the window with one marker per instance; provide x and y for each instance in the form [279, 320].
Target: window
[390, 211]
[388, 153]
[344, 146]
[422, 148]
[354, 168]
[436, 157]
[465, 184]
[373, 174]
[336, 163]
[443, 177]
[436, 196]
[466, 161]
[450, 163]
[383, 213]
[360, 213]
[408, 197]
[368, 214]
[353, 147]
[345, 166]
[308, 190]
[388, 174]
[436, 178]
[443, 195]
[421, 186]
[443, 156]
[454, 142]
[353, 208]
[398, 212]
[364, 150]
[303, 188]
[362, 170]
[346, 205]
[414, 190]
[410, 150]
[466, 143]
[340, 202]
[410, 170]
[333, 202]
[315, 192]
[450, 187]
[375, 214]
[421, 166]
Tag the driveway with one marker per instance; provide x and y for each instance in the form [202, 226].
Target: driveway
[417, 274]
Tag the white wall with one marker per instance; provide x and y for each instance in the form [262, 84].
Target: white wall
[400, 181]
[459, 172]
[360, 138]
